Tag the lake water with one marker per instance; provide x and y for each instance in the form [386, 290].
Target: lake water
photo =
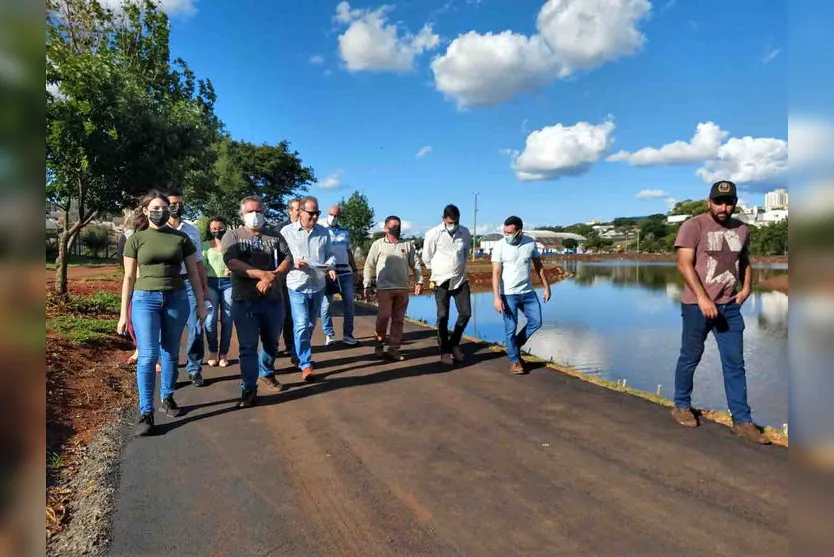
[621, 320]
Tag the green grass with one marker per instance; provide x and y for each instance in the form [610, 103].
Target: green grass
[81, 330]
[83, 260]
[97, 304]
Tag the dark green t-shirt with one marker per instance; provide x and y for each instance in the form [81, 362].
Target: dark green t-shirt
[160, 254]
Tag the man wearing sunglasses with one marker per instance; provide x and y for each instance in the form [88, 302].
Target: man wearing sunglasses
[313, 261]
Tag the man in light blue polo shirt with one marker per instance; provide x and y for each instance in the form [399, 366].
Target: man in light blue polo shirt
[313, 262]
[345, 269]
[513, 290]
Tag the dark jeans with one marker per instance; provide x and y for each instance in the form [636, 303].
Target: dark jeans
[259, 319]
[728, 329]
[288, 333]
[195, 348]
[441, 297]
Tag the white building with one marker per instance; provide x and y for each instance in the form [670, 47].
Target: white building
[547, 241]
[674, 219]
[776, 199]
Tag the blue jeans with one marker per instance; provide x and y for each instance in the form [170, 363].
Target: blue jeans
[530, 306]
[346, 286]
[194, 348]
[728, 329]
[305, 311]
[158, 320]
[220, 294]
[259, 319]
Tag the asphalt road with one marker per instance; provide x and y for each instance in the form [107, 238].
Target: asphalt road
[412, 458]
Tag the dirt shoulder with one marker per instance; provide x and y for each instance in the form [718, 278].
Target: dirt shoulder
[88, 387]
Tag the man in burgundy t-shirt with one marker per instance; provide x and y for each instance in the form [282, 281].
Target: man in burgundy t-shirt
[713, 258]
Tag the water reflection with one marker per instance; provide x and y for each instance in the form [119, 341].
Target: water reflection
[622, 320]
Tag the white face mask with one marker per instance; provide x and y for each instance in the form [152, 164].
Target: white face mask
[332, 221]
[254, 220]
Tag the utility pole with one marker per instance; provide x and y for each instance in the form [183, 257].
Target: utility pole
[475, 227]
[638, 240]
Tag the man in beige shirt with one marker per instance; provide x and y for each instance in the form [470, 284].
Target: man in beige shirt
[387, 264]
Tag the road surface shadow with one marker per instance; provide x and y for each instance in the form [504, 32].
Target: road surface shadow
[331, 384]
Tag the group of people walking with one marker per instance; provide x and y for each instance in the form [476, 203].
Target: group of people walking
[273, 282]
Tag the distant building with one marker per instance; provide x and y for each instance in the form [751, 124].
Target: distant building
[675, 219]
[548, 242]
[776, 199]
[488, 242]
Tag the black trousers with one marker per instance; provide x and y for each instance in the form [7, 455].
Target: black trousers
[287, 333]
[442, 296]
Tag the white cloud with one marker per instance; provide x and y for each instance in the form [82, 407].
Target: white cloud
[317, 59]
[770, 55]
[333, 181]
[170, 7]
[745, 160]
[703, 145]
[573, 35]
[748, 160]
[370, 43]
[556, 151]
[651, 194]
[423, 152]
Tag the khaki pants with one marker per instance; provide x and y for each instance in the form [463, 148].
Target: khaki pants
[392, 306]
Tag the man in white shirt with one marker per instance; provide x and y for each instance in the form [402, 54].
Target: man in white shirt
[195, 349]
[445, 252]
[345, 269]
[313, 261]
[513, 290]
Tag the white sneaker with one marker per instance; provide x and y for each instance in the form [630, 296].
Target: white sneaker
[330, 340]
[349, 340]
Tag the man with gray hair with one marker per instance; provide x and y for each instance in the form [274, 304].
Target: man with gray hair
[313, 260]
[345, 269]
[289, 344]
[257, 256]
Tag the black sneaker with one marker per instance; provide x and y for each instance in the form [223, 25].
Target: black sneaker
[145, 425]
[197, 380]
[170, 407]
[248, 398]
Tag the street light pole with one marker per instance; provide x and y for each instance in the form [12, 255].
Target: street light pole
[475, 227]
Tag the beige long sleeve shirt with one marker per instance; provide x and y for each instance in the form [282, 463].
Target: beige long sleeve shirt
[389, 262]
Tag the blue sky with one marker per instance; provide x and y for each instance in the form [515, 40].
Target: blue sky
[546, 118]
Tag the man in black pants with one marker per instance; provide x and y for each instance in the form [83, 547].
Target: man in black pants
[445, 252]
[289, 344]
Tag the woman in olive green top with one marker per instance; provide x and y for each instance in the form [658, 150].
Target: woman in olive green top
[220, 294]
[158, 303]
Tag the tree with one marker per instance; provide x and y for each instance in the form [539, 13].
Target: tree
[771, 239]
[358, 218]
[120, 117]
[569, 243]
[272, 172]
[690, 207]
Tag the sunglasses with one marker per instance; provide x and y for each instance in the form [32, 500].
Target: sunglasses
[312, 213]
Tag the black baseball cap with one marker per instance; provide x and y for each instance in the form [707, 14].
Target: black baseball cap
[724, 188]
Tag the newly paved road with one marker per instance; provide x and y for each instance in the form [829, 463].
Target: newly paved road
[416, 459]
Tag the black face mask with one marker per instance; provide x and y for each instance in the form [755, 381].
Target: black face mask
[176, 209]
[159, 217]
[394, 231]
[218, 234]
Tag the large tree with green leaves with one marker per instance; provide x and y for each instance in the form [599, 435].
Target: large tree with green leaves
[121, 117]
[275, 173]
[358, 218]
[690, 207]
